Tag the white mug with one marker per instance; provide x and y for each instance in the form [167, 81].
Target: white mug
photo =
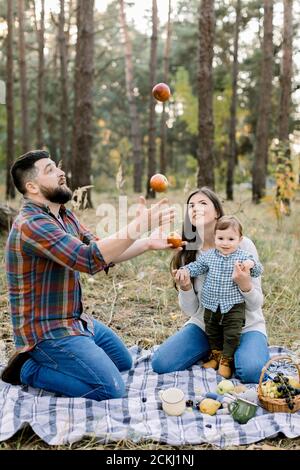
[173, 401]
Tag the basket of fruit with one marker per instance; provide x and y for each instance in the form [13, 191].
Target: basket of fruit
[280, 393]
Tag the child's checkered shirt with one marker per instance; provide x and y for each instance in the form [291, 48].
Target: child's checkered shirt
[219, 289]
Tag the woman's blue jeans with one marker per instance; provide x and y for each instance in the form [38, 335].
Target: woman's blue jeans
[190, 344]
[80, 366]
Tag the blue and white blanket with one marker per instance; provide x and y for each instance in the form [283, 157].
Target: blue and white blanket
[139, 416]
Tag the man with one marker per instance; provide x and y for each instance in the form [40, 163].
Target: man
[59, 347]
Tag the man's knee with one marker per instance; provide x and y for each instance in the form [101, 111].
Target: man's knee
[114, 387]
[126, 363]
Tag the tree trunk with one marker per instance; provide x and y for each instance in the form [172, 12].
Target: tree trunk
[152, 74]
[40, 31]
[284, 164]
[264, 108]
[63, 55]
[205, 87]
[23, 78]
[134, 122]
[83, 112]
[286, 72]
[163, 126]
[10, 144]
[232, 156]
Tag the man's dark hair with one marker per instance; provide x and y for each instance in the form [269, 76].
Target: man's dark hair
[23, 168]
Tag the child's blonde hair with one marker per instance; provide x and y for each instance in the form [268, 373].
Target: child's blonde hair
[229, 221]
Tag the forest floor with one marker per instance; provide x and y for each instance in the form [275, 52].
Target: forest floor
[138, 301]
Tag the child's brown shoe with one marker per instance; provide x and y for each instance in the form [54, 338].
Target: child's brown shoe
[225, 367]
[214, 359]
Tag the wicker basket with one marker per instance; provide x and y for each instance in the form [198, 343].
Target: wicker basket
[277, 405]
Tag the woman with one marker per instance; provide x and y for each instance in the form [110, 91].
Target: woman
[190, 344]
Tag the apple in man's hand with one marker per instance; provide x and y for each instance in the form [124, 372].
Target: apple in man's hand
[174, 239]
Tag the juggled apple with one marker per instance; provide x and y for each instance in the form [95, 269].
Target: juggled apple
[174, 239]
[159, 183]
[161, 92]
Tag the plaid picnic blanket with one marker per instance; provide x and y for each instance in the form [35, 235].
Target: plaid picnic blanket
[138, 417]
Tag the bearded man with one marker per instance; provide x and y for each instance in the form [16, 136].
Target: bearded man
[58, 346]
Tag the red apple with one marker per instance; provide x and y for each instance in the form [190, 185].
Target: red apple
[161, 92]
[159, 183]
[175, 239]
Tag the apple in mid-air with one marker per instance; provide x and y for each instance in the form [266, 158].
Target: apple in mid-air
[159, 183]
[161, 92]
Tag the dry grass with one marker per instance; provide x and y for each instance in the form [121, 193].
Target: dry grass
[138, 301]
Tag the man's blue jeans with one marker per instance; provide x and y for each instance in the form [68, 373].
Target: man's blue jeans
[190, 344]
[80, 366]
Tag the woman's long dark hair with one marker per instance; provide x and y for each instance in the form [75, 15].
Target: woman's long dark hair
[190, 232]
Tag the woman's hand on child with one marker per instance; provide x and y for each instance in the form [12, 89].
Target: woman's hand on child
[247, 264]
[182, 278]
[241, 276]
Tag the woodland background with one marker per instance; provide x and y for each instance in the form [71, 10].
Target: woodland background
[78, 79]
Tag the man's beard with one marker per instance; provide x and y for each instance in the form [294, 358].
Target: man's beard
[59, 195]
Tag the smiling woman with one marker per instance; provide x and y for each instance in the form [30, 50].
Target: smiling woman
[190, 344]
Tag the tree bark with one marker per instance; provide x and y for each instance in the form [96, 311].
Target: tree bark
[259, 173]
[63, 55]
[83, 112]
[152, 74]
[23, 79]
[163, 125]
[232, 156]
[286, 71]
[134, 121]
[40, 31]
[10, 130]
[284, 164]
[205, 87]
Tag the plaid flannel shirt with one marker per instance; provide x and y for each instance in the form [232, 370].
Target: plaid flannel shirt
[219, 289]
[43, 260]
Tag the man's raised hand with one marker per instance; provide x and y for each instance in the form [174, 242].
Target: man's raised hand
[157, 215]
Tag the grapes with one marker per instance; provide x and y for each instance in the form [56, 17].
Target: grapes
[269, 389]
[189, 403]
[280, 387]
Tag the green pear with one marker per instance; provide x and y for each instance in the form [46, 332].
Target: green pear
[225, 386]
